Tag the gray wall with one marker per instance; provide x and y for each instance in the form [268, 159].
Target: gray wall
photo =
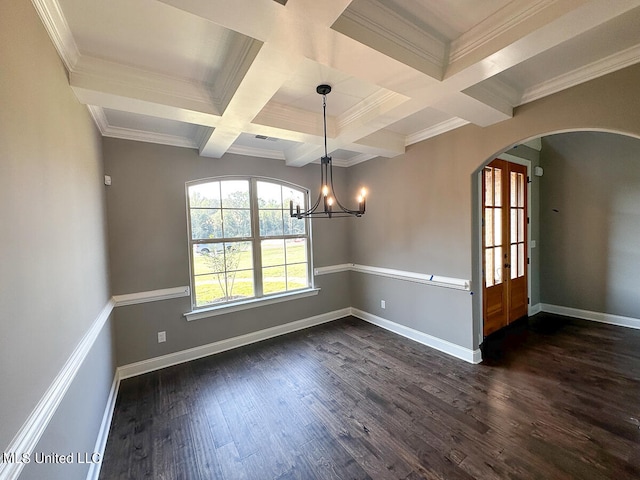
[53, 273]
[590, 222]
[74, 427]
[149, 250]
[423, 205]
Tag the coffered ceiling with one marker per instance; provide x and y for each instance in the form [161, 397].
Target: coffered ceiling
[239, 76]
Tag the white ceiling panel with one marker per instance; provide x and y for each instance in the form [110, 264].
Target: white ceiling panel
[213, 74]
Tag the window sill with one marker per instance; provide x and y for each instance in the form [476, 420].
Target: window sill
[247, 304]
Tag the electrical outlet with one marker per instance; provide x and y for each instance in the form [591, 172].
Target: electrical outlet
[162, 337]
[383, 304]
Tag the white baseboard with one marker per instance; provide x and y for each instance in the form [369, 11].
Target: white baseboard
[466, 354]
[610, 319]
[535, 309]
[103, 434]
[164, 361]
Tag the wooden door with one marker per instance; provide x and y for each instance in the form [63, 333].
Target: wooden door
[504, 244]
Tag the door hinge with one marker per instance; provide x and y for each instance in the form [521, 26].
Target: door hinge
[528, 301]
[528, 220]
[528, 179]
[528, 261]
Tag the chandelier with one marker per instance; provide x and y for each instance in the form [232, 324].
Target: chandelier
[327, 205]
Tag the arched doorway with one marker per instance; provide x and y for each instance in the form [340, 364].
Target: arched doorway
[585, 227]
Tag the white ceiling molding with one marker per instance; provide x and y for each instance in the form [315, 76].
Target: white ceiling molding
[500, 23]
[369, 108]
[150, 137]
[138, 135]
[295, 121]
[380, 27]
[256, 152]
[350, 162]
[384, 64]
[596, 69]
[99, 117]
[239, 59]
[56, 25]
[435, 130]
[202, 137]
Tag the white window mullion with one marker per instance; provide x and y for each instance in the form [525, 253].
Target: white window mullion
[255, 231]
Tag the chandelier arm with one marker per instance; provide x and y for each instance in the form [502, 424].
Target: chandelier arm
[335, 196]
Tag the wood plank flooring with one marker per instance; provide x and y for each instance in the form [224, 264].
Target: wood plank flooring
[559, 399]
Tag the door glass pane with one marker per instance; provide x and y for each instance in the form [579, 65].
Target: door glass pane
[488, 186]
[488, 227]
[497, 176]
[521, 258]
[488, 267]
[497, 265]
[521, 185]
[513, 185]
[514, 261]
[521, 225]
[513, 225]
[497, 225]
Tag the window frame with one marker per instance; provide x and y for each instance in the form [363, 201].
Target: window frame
[256, 241]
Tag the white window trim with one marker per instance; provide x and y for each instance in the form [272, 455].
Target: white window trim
[232, 306]
[223, 309]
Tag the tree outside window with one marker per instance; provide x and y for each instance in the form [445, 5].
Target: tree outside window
[243, 242]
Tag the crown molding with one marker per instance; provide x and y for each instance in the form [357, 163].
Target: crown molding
[294, 119]
[150, 137]
[368, 108]
[405, 41]
[596, 69]
[435, 130]
[350, 162]
[505, 19]
[58, 29]
[202, 137]
[495, 91]
[238, 61]
[256, 152]
[123, 133]
[99, 117]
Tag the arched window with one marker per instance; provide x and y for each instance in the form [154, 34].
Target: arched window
[243, 242]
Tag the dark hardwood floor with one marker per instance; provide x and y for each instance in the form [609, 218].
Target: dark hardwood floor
[559, 398]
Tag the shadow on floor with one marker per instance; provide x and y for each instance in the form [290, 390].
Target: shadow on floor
[499, 347]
